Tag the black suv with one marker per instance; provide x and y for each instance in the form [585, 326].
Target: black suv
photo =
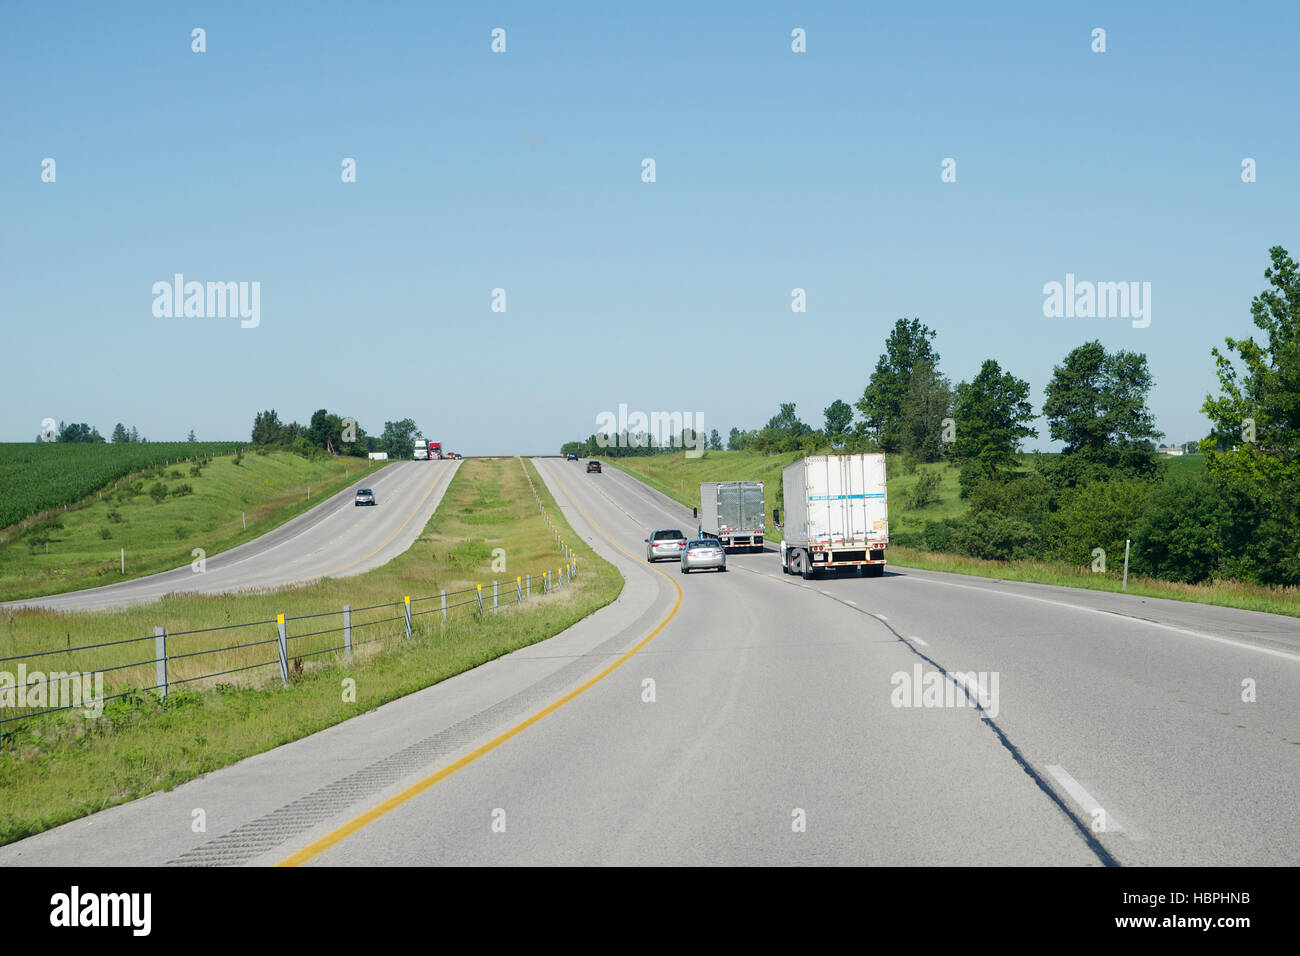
[571, 456]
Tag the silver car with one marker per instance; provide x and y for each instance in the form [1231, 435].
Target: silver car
[667, 543]
[705, 553]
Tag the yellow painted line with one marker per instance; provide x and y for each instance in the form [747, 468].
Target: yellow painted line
[315, 849]
[343, 567]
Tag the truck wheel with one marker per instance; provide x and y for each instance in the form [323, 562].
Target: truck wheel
[809, 572]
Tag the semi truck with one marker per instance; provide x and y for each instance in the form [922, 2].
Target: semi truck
[435, 450]
[836, 515]
[732, 512]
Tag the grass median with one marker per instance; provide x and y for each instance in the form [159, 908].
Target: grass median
[489, 527]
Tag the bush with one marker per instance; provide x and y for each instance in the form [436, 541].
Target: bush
[115, 516]
[905, 464]
[175, 473]
[1028, 498]
[1178, 535]
[925, 491]
[180, 491]
[196, 471]
[158, 492]
[1099, 515]
[105, 533]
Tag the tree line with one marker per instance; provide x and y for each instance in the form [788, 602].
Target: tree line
[328, 433]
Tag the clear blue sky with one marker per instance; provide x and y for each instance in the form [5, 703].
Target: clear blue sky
[522, 170]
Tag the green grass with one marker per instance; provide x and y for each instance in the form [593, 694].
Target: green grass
[85, 552]
[58, 767]
[40, 476]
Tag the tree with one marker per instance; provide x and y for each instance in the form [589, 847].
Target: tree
[1254, 448]
[398, 438]
[80, 432]
[191, 437]
[135, 435]
[929, 396]
[325, 431]
[120, 434]
[882, 402]
[839, 418]
[267, 428]
[1096, 404]
[735, 439]
[991, 414]
[715, 440]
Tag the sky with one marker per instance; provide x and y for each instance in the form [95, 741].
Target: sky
[523, 171]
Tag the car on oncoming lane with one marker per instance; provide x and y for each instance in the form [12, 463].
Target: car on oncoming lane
[704, 553]
[664, 543]
[365, 497]
[571, 456]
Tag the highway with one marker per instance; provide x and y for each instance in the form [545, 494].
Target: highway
[750, 717]
[333, 539]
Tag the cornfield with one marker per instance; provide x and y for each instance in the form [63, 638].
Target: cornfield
[38, 476]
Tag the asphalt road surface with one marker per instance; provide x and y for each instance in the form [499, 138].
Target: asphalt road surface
[334, 539]
[749, 717]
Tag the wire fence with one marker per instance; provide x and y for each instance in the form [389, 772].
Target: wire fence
[75, 678]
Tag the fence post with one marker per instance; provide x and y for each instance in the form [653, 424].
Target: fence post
[347, 631]
[478, 593]
[494, 597]
[407, 605]
[160, 659]
[283, 645]
[519, 590]
[444, 605]
[528, 585]
[1126, 544]
[546, 582]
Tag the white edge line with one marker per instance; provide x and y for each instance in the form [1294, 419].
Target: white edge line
[1136, 620]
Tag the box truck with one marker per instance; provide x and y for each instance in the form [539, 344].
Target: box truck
[836, 515]
[421, 450]
[732, 511]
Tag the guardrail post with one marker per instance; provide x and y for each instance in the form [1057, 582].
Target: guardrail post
[478, 593]
[444, 605]
[519, 590]
[283, 645]
[160, 659]
[528, 585]
[546, 582]
[407, 605]
[494, 597]
[347, 632]
[1126, 544]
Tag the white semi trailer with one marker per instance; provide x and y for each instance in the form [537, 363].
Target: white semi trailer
[836, 515]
